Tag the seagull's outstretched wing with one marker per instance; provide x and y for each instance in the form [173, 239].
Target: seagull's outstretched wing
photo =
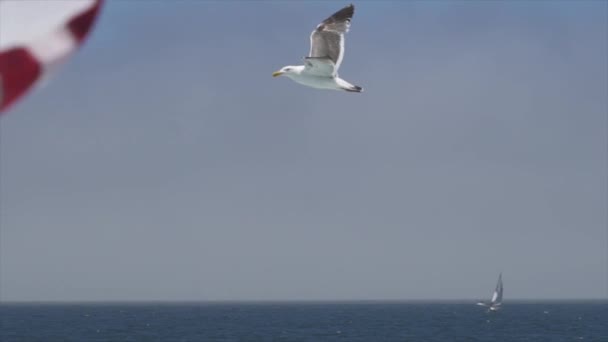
[327, 40]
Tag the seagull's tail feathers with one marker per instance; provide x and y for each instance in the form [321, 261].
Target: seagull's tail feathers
[354, 89]
[348, 87]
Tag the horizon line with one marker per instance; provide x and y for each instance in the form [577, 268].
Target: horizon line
[287, 301]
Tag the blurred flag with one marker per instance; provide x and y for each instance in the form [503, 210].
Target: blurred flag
[35, 37]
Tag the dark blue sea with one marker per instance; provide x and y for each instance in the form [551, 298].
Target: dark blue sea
[313, 321]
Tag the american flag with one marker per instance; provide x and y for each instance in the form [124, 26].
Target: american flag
[23, 63]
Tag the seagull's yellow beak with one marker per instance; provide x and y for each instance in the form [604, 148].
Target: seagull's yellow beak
[277, 73]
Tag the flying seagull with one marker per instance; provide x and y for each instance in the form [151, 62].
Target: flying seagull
[320, 69]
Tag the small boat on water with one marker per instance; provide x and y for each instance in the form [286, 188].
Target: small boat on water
[496, 302]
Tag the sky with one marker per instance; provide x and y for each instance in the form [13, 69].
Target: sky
[163, 162]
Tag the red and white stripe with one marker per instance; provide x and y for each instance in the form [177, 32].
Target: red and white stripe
[25, 63]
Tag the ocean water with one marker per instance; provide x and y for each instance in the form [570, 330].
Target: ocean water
[293, 321]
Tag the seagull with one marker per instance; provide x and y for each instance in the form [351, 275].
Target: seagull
[320, 69]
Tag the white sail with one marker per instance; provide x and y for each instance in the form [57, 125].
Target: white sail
[497, 296]
[496, 301]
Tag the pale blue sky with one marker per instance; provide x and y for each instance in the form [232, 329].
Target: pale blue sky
[164, 162]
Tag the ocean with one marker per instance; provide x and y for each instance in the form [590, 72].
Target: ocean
[304, 321]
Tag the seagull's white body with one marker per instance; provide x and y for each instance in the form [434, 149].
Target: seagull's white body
[300, 75]
[326, 53]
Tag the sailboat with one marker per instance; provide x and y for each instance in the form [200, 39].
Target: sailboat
[496, 301]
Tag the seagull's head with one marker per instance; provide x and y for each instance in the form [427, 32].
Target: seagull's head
[288, 70]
